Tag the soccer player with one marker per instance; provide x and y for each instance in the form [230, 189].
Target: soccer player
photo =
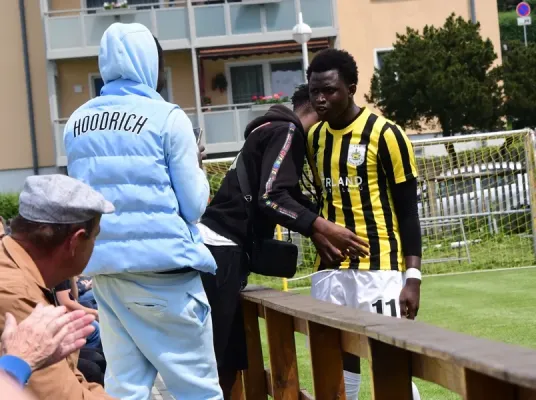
[367, 168]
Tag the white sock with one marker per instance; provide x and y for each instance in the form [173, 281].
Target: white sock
[416, 395]
[352, 381]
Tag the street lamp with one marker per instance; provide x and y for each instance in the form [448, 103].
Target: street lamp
[302, 34]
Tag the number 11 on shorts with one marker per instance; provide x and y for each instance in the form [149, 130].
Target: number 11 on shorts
[379, 307]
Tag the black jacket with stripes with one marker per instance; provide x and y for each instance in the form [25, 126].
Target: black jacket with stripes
[274, 155]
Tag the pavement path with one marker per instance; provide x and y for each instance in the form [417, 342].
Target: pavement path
[160, 391]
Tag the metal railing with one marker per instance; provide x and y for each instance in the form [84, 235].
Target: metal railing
[224, 127]
[398, 349]
[213, 23]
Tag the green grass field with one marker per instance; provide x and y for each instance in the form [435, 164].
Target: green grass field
[497, 305]
[498, 251]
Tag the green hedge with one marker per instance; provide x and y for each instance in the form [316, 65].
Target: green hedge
[511, 31]
[9, 205]
[508, 5]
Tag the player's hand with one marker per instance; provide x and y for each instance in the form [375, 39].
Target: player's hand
[330, 255]
[343, 239]
[46, 336]
[410, 298]
[201, 155]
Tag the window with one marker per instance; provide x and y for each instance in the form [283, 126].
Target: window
[263, 79]
[246, 81]
[379, 57]
[96, 84]
[286, 76]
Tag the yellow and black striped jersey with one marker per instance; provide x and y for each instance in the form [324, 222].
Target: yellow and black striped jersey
[356, 166]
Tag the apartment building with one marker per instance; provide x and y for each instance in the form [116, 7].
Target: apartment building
[219, 54]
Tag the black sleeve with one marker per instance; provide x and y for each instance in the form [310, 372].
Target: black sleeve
[306, 201]
[279, 194]
[65, 285]
[405, 203]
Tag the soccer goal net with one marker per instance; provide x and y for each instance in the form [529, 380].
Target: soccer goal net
[474, 201]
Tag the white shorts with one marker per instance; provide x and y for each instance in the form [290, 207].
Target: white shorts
[374, 291]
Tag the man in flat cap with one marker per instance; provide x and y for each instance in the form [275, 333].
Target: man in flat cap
[51, 240]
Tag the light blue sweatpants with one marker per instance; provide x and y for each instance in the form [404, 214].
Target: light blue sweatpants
[157, 323]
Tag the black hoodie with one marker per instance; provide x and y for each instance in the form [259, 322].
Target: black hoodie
[274, 155]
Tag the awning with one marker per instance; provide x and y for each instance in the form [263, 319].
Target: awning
[259, 49]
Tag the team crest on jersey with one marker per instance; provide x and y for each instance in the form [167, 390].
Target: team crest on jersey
[356, 154]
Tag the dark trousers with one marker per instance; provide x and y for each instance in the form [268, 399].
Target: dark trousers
[92, 364]
[223, 293]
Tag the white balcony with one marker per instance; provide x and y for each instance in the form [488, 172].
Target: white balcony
[77, 33]
[224, 128]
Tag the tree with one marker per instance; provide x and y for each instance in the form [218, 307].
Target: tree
[519, 64]
[443, 75]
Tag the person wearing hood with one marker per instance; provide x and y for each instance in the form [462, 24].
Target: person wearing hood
[273, 155]
[140, 152]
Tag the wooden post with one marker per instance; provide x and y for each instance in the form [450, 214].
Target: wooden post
[391, 372]
[254, 376]
[283, 362]
[526, 394]
[482, 387]
[326, 360]
[238, 388]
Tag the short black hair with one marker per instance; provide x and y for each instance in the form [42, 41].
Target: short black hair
[340, 60]
[158, 47]
[300, 98]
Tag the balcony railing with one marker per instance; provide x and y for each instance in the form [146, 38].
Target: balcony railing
[77, 33]
[224, 127]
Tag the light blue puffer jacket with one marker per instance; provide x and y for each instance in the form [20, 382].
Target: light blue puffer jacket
[140, 152]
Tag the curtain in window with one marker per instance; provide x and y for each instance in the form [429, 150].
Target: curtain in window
[286, 76]
[246, 81]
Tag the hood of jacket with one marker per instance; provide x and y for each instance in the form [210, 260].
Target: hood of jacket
[128, 52]
[278, 113]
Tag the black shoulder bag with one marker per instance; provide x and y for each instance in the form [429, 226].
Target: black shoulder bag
[267, 257]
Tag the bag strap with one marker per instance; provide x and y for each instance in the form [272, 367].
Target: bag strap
[243, 182]
[317, 182]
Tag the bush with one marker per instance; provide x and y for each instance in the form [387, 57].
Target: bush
[519, 63]
[9, 205]
[508, 5]
[510, 31]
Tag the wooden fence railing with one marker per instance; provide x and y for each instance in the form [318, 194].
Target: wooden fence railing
[397, 349]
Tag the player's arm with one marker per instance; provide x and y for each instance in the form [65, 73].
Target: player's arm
[281, 168]
[398, 161]
[405, 203]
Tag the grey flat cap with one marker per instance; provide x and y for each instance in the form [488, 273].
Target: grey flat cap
[59, 199]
